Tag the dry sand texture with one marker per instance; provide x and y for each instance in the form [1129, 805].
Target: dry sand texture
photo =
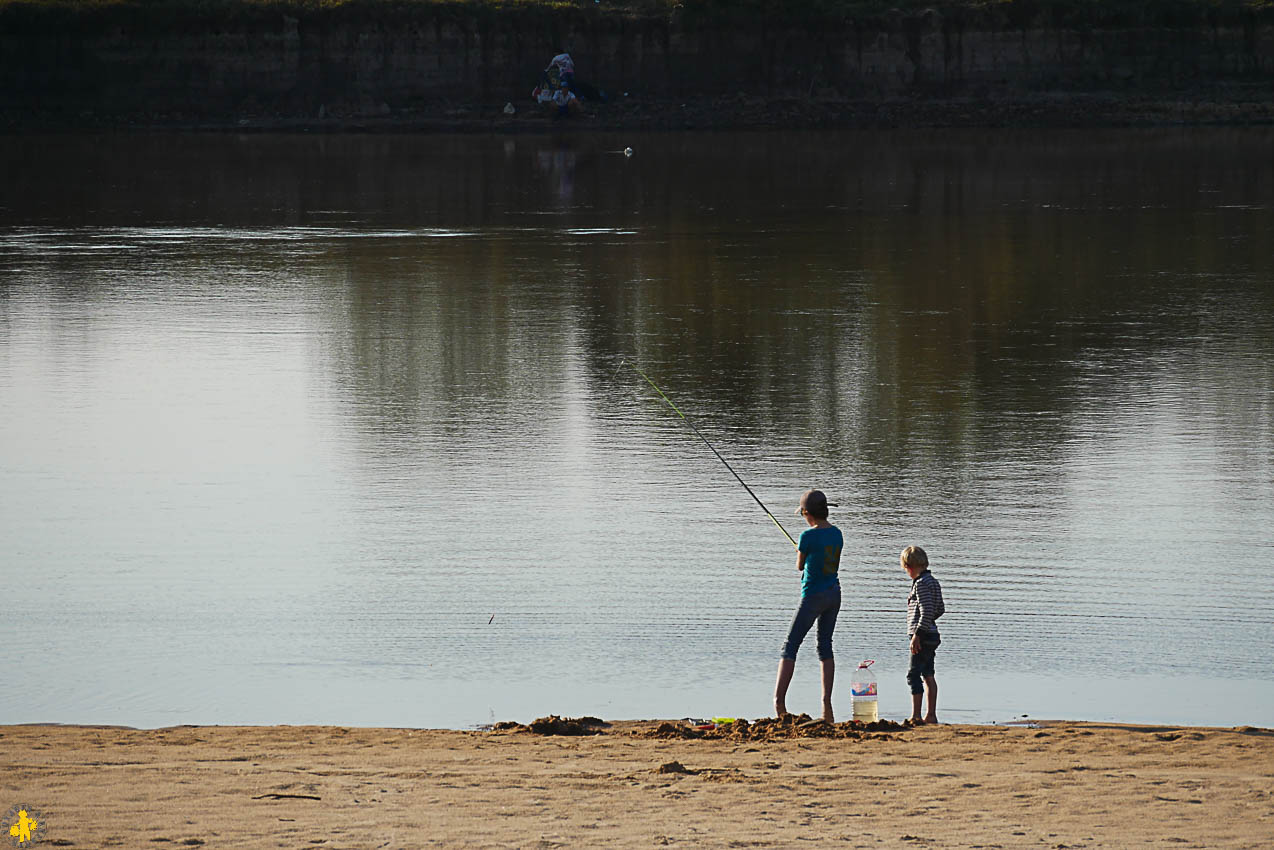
[1065, 785]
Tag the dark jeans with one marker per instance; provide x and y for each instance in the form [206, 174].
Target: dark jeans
[922, 661]
[822, 606]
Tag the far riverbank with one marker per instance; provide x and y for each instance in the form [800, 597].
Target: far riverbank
[378, 64]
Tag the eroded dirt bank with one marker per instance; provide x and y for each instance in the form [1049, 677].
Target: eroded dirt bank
[378, 64]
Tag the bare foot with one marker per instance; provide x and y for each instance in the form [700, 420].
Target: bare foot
[780, 710]
[931, 720]
[915, 721]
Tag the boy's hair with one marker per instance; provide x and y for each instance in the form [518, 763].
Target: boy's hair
[914, 557]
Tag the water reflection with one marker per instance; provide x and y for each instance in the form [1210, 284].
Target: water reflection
[1045, 357]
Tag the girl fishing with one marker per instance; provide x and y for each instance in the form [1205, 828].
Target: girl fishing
[818, 559]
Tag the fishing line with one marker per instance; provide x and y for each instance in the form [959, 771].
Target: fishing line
[677, 410]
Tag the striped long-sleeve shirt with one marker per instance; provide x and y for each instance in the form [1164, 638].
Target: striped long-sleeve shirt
[924, 603]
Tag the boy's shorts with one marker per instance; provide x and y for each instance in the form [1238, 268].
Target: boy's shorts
[922, 661]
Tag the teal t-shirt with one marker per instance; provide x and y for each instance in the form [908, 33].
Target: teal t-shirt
[822, 558]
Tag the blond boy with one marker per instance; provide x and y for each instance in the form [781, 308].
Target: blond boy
[924, 607]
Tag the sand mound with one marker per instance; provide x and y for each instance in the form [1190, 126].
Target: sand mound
[764, 729]
[554, 725]
[771, 729]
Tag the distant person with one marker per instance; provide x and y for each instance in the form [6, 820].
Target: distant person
[924, 607]
[561, 69]
[818, 559]
[543, 95]
[566, 102]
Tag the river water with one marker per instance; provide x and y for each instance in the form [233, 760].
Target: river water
[337, 429]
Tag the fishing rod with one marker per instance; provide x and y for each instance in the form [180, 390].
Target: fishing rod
[677, 410]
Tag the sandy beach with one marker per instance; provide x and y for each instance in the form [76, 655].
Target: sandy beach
[1058, 785]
